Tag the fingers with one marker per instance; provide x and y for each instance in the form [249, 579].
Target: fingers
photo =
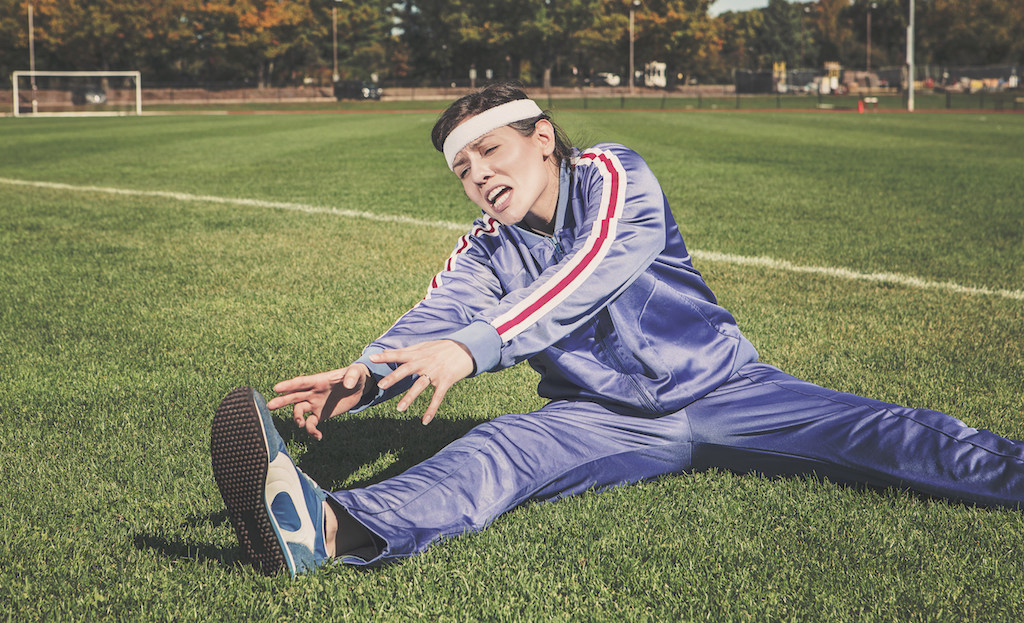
[297, 384]
[422, 383]
[435, 404]
[393, 355]
[299, 412]
[441, 360]
[295, 390]
[417, 388]
[315, 398]
[320, 395]
[437, 397]
[309, 423]
[282, 401]
[354, 375]
[439, 363]
[311, 427]
[418, 359]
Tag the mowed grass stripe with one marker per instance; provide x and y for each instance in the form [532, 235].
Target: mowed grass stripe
[709, 256]
[935, 197]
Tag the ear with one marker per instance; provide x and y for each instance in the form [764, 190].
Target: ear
[544, 135]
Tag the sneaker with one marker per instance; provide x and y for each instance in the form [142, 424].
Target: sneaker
[276, 510]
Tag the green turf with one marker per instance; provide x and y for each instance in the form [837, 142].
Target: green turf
[124, 319]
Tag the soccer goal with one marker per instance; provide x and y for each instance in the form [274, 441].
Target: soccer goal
[77, 93]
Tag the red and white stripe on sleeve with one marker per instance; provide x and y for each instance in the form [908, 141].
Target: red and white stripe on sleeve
[489, 227]
[574, 273]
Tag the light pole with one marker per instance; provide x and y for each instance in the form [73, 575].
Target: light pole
[803, 36]
[334, 30]
[910, 60]
[32, 57]
[871, 7]
[632, 10]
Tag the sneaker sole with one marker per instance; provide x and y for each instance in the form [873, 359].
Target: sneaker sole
[239, 454]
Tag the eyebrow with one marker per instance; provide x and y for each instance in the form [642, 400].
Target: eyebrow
[461, 158]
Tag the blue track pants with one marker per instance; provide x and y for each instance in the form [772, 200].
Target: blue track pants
[760, 420]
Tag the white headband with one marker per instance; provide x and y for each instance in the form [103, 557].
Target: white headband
[490, 119]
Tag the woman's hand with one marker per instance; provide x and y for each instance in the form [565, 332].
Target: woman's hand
[440, 363]
[322, 395]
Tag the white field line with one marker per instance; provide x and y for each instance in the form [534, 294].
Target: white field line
[253, 203]
[710, 256]
[845, 273]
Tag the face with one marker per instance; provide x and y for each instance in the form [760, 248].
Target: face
[513, 178]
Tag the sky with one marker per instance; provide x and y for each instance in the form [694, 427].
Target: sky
[721, 6]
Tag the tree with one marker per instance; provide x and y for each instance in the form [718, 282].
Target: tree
[527, 40]
[537, 41]
[245, 39]
[833, 31]
[364, 37]
[739, 32]
[96, 35]
[431, 31]
[780, 36]
[970, 32]
[561, 30]
[888, 32]
[13, 30]
[679, 32]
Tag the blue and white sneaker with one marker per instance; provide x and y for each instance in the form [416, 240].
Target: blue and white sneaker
[277, 510]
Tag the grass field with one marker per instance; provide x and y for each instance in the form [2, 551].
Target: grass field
[151, 264]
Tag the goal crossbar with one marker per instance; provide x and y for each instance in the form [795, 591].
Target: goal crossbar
[72, 74]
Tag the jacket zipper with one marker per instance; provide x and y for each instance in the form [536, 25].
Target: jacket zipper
[641, 393]
[559, 251]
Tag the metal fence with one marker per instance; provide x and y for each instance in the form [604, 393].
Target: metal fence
[708, 97]
[1007, 101]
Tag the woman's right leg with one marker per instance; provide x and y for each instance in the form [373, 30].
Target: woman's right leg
[563, 449]
[763, 420]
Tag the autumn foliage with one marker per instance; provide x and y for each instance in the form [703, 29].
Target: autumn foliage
[265, 42]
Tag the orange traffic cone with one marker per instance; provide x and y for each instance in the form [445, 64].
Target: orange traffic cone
[860, 106]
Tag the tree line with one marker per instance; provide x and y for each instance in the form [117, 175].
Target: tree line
[288, 42]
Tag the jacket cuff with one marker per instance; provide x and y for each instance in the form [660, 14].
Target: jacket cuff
[377, 372]
[483, 342]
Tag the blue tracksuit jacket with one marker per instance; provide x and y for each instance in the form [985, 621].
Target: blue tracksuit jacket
[609, 309]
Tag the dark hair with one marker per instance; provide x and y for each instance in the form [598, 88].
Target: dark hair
[489, 97]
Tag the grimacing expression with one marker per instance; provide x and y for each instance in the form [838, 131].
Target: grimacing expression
[511, 177]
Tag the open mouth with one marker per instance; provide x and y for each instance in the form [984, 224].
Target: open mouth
[498, 195]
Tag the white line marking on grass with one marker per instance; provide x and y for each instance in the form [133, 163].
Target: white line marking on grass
[254, 203]
[710, 256]
[852, 275]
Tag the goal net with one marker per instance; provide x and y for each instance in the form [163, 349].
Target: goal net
[69, 93]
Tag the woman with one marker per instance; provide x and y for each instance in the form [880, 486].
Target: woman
[578, 267]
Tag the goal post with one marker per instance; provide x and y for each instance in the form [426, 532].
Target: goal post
[76, 93]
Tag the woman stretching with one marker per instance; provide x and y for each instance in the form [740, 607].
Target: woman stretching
[577, 266]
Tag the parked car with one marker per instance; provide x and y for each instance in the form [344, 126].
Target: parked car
[356, 90]
[608, 78]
